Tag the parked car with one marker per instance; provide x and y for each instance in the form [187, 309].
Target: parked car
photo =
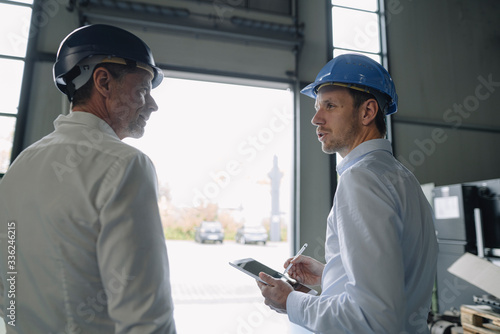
[209, 231]
[251, 234]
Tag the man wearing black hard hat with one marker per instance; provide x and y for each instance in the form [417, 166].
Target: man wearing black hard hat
[381, 247]
[90, 250]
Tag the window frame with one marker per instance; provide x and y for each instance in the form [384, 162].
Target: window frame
[382, 41]
[382, 54]
[20, 123]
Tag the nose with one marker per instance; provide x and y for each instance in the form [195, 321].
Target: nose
[152, 103]
[318, 117]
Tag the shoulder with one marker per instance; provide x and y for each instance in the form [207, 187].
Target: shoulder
[372, 178]
[128, 159]
[361, 173]
[127, 171]
[379, 166]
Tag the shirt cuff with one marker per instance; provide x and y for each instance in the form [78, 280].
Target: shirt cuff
[295, 306]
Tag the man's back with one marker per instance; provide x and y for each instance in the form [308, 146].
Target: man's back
[82, 239]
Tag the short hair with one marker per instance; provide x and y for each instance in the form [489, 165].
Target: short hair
[359, 98]
[118, 71]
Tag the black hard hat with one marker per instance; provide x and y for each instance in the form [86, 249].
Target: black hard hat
[90, 43]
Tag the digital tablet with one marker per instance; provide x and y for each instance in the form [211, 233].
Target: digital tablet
[253, 267]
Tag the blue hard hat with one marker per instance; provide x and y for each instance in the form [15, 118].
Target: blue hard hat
[358, 72]
[98, 43]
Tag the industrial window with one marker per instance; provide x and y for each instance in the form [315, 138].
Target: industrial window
[15, 18]
[358, 26]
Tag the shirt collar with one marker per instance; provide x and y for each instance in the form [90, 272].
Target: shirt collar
[361, 150]
[86, 118]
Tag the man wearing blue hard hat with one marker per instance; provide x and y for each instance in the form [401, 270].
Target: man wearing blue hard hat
[90, 250]
[380, 247]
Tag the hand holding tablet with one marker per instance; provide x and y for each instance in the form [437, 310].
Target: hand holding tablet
[253, 267]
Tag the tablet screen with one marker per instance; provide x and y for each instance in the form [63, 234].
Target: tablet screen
[256, 267]
[253, 268]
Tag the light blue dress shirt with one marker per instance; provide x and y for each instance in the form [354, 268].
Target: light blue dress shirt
[380, 251]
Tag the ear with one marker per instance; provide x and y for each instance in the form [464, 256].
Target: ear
[369, 111]
[102, 79]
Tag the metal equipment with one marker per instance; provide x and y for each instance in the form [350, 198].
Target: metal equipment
[467, 220]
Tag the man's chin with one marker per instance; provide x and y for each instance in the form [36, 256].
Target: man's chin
[328, 150]
[136, 133]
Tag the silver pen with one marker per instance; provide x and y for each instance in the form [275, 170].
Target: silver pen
[295, 257]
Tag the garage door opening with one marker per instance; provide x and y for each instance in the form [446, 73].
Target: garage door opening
[224, 155]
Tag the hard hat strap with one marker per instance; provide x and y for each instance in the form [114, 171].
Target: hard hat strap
[68, 81]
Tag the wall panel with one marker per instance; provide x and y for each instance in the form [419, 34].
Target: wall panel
[444, 60]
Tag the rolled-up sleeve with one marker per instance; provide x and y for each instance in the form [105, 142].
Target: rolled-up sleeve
[132, 254]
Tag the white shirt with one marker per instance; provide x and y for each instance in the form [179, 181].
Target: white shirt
[380, 251]
[90, 255]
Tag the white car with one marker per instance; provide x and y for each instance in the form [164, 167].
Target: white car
[251, 234]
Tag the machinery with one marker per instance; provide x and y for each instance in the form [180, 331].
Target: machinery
[467, 220]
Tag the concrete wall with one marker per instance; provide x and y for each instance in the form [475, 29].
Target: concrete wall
[444, 60]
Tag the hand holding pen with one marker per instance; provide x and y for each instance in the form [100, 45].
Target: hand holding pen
[294, 258]
[304, 269]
